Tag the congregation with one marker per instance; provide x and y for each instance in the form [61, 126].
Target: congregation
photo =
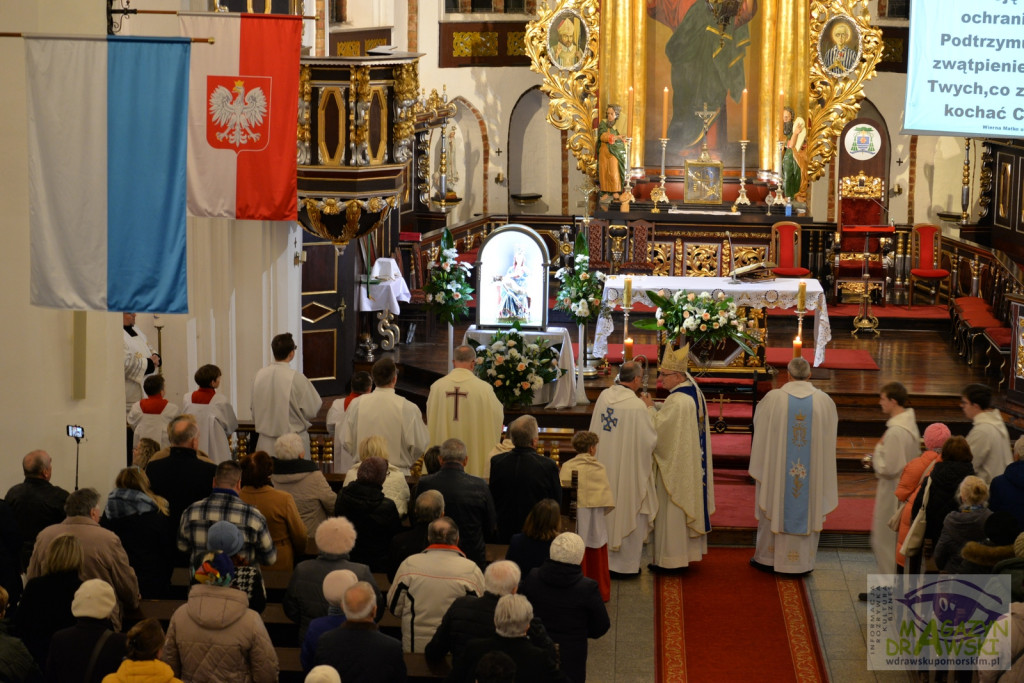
[417, 548]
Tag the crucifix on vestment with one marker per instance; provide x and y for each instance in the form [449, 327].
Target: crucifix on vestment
[456, 394]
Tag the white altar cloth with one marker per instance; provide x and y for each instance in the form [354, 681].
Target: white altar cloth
[778, 293]
[558, 394]
[386, 294]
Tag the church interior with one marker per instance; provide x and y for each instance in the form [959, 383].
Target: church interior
[799, 160]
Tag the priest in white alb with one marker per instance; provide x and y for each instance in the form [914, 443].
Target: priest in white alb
[140, 361]
[626, 450]
[283, 399]
[683, 467]
[462, 406]
[384, 413]
[793, 461]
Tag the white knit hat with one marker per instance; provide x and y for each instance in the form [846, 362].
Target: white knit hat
[323, 674]
[94, 598]
[568, 548]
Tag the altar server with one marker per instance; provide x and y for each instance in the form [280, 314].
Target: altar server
[213, 412]
[626, 450]
[793, 460]
[900, 444]
[283, 400]
[683, 468]
[382, 412]
[462, 406]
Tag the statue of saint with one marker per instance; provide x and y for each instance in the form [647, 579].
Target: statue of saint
[794, 157]
[611, 154]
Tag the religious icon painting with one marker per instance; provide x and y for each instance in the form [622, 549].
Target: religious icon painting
[839, 46]
[512, 282]
[567, 40]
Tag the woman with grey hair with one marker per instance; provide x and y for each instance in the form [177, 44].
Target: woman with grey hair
[512, 617]
[300, 477]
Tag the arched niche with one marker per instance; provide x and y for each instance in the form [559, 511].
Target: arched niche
[533, 167]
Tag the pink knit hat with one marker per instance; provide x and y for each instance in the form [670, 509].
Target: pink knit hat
[935, 435]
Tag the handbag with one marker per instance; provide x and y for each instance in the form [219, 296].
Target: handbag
[915, 537]
[894, 521]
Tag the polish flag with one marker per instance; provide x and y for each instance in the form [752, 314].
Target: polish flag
[243, 108]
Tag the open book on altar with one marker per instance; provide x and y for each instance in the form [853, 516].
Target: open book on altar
[755, 272]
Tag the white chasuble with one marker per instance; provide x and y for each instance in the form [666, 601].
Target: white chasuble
[463, 406]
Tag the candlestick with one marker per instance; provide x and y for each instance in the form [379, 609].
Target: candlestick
[801, 296]
[743, 107]
[798, 346]
[664, 112]
[742, 198]
[627, 349]
[627, 292]
[658, 194]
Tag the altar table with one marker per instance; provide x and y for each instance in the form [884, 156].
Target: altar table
[778, 293]
[558, 394]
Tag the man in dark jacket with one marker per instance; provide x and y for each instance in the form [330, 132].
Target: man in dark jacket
[568, 603]
[71, 650]
[472, 617]
[520, 478]
[182, 478]
[1006, 493]
[467, 499]
[357, 649]
[37, 503]
[512, 618]
[429, 506]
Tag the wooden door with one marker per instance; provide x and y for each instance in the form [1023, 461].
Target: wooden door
[329, 317]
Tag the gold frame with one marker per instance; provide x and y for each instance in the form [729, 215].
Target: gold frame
[835, 100]
[573, 93]
[695, 192]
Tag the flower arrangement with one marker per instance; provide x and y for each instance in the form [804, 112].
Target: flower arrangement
[581, 291]
[447, 289]
[702, 318]
[515, 368]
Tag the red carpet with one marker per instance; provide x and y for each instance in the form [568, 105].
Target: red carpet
[835, 359]
[723, 620]
[734, 506]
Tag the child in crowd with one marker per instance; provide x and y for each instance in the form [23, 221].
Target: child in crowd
[593, 500]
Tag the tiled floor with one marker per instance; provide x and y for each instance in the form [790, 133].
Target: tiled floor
[626, 653]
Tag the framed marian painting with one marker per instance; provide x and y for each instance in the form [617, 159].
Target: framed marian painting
[512, 283]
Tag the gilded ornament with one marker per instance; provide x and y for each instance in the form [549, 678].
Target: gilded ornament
[572, 90]
[837, 79]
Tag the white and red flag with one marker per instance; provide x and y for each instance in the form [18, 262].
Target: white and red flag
[243, 107]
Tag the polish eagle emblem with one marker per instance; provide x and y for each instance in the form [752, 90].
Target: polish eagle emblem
[237, 113]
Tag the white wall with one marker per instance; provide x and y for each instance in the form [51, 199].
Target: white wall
[243, 289]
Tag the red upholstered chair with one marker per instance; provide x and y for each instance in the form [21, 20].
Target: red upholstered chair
[786, 250]
[925, 250]
[860, 208]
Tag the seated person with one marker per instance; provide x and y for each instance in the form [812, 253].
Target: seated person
[374, 516]
[335, 585]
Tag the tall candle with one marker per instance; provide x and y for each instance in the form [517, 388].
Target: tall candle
[782, 105]
[627, 349]
[798, 347]
[801, 296]
[629, 114]
[743, 107]
[627, 292]
[664, 113]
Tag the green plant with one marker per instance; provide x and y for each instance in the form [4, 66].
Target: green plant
[447, 290]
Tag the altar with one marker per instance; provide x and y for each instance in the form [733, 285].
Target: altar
[558, 394]
[780, 293]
